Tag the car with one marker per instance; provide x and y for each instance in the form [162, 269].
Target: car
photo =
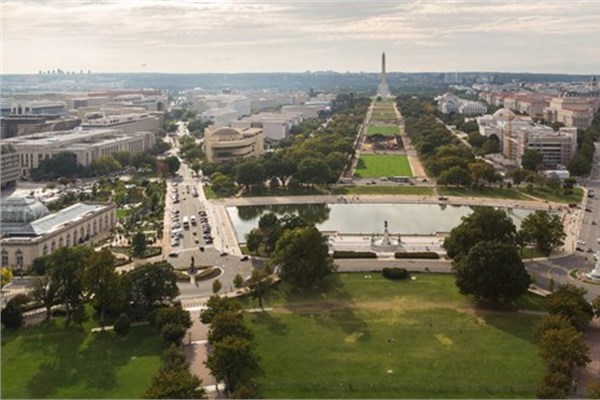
[245, 258]
[194, 233]
[173, 254]
[588, 209]
[223, 253]
[442, 198]
[590, 250]
[581, 242]
[196, 241]
[201, 248]
[579, 249]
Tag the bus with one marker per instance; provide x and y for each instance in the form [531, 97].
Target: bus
[186, 223]
[193, 220]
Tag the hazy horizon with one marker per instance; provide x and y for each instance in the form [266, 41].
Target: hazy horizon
[220, 36]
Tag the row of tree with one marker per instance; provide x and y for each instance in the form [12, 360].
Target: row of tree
[560, 336]
[583, 160]
[65, 165]
[232, 358]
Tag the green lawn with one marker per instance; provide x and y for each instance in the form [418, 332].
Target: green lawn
[209, 193]
[378, 165]
[374, 338]
[546, 194]
[122, 213]
[385, 189]
[386, 130]
[50, 361]
[494, 192]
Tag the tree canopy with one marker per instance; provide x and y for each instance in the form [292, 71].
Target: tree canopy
[302, 257]
[484, 224]
[543, 229]
[492, 272]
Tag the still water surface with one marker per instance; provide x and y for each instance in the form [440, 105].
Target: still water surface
[419, 219]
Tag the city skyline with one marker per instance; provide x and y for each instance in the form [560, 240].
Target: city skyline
[251, 36]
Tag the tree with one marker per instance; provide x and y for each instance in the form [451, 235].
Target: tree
[172, 315]
[63, 164]
[229, 323]
[232, 361]
[554, 386]
[280, 166]
[12, 316]
[518, 175]
[138, 245]
[250, 173]
[153, 284]
[254, 239]
[217, 305]
[270, 227]
[122, 325]
[238, 281]
[302, 257]
[67, 266]
[6, 276]
[493, 272]
[260, 284]
[551, 321]
[455, 176]
[101, 282]
[122, 157]
[544, 229]
[173, 333]
[175, 384]
[216, 286]
[596, 306]
[173, 163]
[173, 359]
[484, 224]
[531, 159]
[314, 171]
[45, 290]
[563, 349]
[569, 301]
[482, 171]
[491, 145]
[196, 166]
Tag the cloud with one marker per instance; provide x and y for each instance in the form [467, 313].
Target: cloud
[180, 35]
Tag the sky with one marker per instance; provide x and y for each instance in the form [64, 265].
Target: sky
[301, 35]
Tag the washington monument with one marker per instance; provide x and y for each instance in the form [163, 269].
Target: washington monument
[383, 90]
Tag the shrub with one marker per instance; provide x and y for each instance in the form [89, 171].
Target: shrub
[354, 254]
[395, 273]
[122, 325]
[418, 254]
[12, 316]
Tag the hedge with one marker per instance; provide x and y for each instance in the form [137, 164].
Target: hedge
[418, 254]
[395, 273]
[354, 254]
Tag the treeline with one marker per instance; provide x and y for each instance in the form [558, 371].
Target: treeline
[582, 163]
[315, 154]
[483, 145]
[64, 164]
[442, 154]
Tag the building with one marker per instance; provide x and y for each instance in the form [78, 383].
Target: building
[223, 144]
[38, 107]
[86, 145]
[125, 122]
[307, 110]
[221, 116]
[29, 231]
[449, 103]
[9, 174]
[18, 125]
[575, 107]
[556, 148]
[275, 126]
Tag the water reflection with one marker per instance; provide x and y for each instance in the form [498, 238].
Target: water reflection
[364, 218]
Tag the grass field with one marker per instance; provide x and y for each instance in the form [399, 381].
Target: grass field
[209, 193]
[385, 189]
[50, 361]
[546, 194]
[374, 338]
[377, 165]
[383, 111]
[386, 130]
[501, 193]
[122, 213]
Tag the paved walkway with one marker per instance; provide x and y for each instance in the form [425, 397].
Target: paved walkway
[413, 158]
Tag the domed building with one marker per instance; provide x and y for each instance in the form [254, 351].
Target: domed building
[21, 210]
[223, 144]
[504, 114]
[29, 231]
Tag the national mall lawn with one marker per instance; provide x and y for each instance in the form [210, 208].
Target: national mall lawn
[378, 165]
[51, 361]
[368, 337]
